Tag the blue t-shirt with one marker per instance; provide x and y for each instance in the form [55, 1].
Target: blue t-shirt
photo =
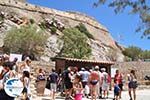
[53, 77]
[116, 88]
[84, 75]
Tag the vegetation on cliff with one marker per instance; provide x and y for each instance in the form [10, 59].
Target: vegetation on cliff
[26, 39]
[75, 44]
[135, 53]
[81, 27]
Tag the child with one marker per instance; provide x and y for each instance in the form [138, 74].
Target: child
[78, 89]
[116, 91]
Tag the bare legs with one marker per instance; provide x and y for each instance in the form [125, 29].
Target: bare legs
[93, 92]
[130, 94]
[134, 94]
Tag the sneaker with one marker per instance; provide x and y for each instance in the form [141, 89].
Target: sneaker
[130, 98]
[100, 97]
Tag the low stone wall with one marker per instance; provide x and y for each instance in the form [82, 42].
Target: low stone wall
[142, 68]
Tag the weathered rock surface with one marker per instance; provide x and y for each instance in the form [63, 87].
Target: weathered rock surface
[17, 13]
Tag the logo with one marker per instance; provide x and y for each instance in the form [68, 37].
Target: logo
[13, 87]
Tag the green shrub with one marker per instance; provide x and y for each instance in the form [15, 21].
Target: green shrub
[32, 21]
[1, 18]
[53, 30]
[42, 25]
[75, 44]
[132, 52]
[24, 39]
[81, 27]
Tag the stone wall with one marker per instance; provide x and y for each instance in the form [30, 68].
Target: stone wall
[72, 15]
[142, 68]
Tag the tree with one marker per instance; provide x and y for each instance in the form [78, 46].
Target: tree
[145, 54]
[24, 39]
[133, 52]
[75, 44]
[139, 7]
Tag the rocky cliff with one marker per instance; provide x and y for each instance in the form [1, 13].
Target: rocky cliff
[15, 13]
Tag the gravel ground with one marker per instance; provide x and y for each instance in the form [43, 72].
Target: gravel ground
[141, 95]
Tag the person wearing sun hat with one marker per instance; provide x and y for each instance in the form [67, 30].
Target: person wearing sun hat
[99, 86]
[84, 79]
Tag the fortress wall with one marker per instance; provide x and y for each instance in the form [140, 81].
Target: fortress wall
[72, 15]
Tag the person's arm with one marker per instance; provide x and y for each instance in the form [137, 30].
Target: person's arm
[21, 67]
[11, 74]
[25, 82]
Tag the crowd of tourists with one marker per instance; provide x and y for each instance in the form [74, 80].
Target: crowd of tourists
[76, 84]
[73, 83]
[11, 69]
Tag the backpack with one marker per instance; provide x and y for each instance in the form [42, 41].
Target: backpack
[105, 77]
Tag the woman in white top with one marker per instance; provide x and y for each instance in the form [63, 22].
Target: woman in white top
[26, 66]
[26, 83]
[132, 84]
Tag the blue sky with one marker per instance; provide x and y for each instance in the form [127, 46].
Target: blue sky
[121, 25]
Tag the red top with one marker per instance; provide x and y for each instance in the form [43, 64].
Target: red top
[118, 78]
[94, 76]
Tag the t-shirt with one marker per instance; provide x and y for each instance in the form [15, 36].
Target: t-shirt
[116, 88]
[105, 77]
[84, 75]
[53, 77]
[66, 77]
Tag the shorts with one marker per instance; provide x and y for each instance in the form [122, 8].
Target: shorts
[68, 85]
[84, 84]
[132, 85]
[53, 87]
[116, 93]
[120, 86]
[105, 87]
[94, 82]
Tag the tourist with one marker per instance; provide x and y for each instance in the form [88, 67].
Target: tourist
[77, 88]
[99, 85]
[41, 75]
[132, 84]
[53, 83]
[118, 79]
[14, 62]
[93, 80]
[116, 91]
[84, 79]
[15, 67]
[60, 82]
[7, 74]
[1, 68]
[105, 82]
[67, 82]
[26, 65]
[26, 83]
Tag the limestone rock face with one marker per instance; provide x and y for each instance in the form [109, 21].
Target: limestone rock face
[14, 13]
